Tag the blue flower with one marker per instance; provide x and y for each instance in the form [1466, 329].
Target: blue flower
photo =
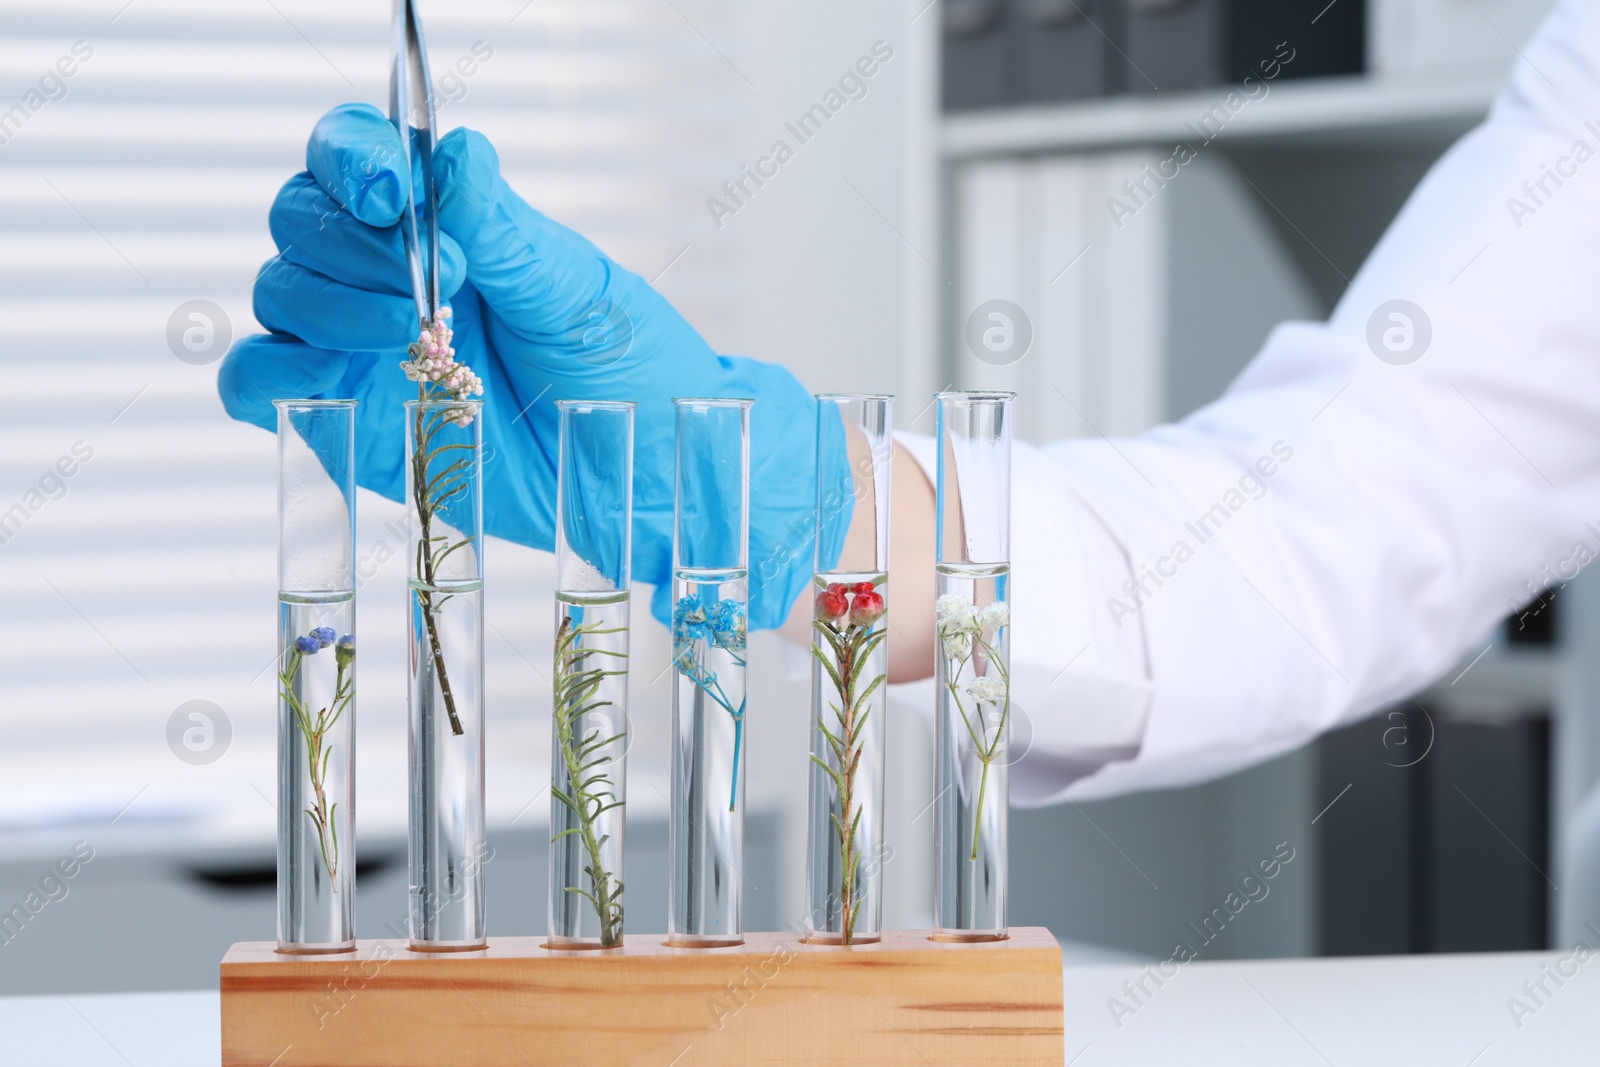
[344, 650]
[728, 621]
[689, 621]
[307, 645]
[723, 624]
[324, 635]
[348, 641]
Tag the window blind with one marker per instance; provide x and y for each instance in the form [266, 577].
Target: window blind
[136, 520]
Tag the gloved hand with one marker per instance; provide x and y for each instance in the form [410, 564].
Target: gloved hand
[540, 314]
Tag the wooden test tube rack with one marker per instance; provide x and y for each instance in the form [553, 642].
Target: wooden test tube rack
[904, 1000]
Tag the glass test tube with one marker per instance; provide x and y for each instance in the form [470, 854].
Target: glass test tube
[849, 669]
[972, 716]
[711, 525]
[589, 722]
[446, 846]
[316, 675]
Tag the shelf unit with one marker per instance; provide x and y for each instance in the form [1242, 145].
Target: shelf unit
[1300, 183]
[1342, 109]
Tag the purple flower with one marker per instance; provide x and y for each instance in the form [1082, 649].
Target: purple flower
[307, 645]
[324, 635]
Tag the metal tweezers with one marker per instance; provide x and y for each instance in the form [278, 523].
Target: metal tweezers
[412, 112]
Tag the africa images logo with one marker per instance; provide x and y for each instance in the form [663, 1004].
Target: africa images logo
[1399, 332]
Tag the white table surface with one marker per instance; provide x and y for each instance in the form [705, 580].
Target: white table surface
[1447, 1010]
[1412, 1011]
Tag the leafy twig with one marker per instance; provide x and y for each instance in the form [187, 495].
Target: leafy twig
[962, 631]
[314, 729]
[432, 365]
[851, 634]
[576, 687]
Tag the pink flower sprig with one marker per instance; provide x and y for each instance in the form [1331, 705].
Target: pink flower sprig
[438, 478]
[433, 365]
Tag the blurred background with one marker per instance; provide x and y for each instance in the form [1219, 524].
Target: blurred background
[1001, 149]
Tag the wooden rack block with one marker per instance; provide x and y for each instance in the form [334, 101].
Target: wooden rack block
[905, 1000]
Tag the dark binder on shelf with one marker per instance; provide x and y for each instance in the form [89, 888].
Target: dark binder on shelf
[1001, 52]
[1325, 40]
[1167, 45]
[977, 68]
[1061, 47]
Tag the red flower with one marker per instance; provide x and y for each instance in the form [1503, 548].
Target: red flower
[863, 587]
[838, 587]
[868, 608]
[831, 603]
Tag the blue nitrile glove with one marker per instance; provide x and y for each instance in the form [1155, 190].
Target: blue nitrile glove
[540, 314]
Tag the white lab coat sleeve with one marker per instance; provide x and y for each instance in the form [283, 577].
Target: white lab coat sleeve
[1373, 493]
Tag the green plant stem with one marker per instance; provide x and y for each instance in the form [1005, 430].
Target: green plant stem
[850, 651]
[987, 749]
[315, 734]
[428, 499]
[575, 689]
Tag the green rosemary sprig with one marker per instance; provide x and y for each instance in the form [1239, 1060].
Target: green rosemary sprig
[588, 789]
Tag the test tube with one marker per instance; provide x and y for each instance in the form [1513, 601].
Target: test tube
[589, 721]
[711, 525]
[316, 675]
[446, 849]
[849, 669]
[972, 714]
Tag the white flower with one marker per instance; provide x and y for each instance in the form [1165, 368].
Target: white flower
[952, 604]
[995, 616]
[987, 690]
[956, 646]
[954, 615]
